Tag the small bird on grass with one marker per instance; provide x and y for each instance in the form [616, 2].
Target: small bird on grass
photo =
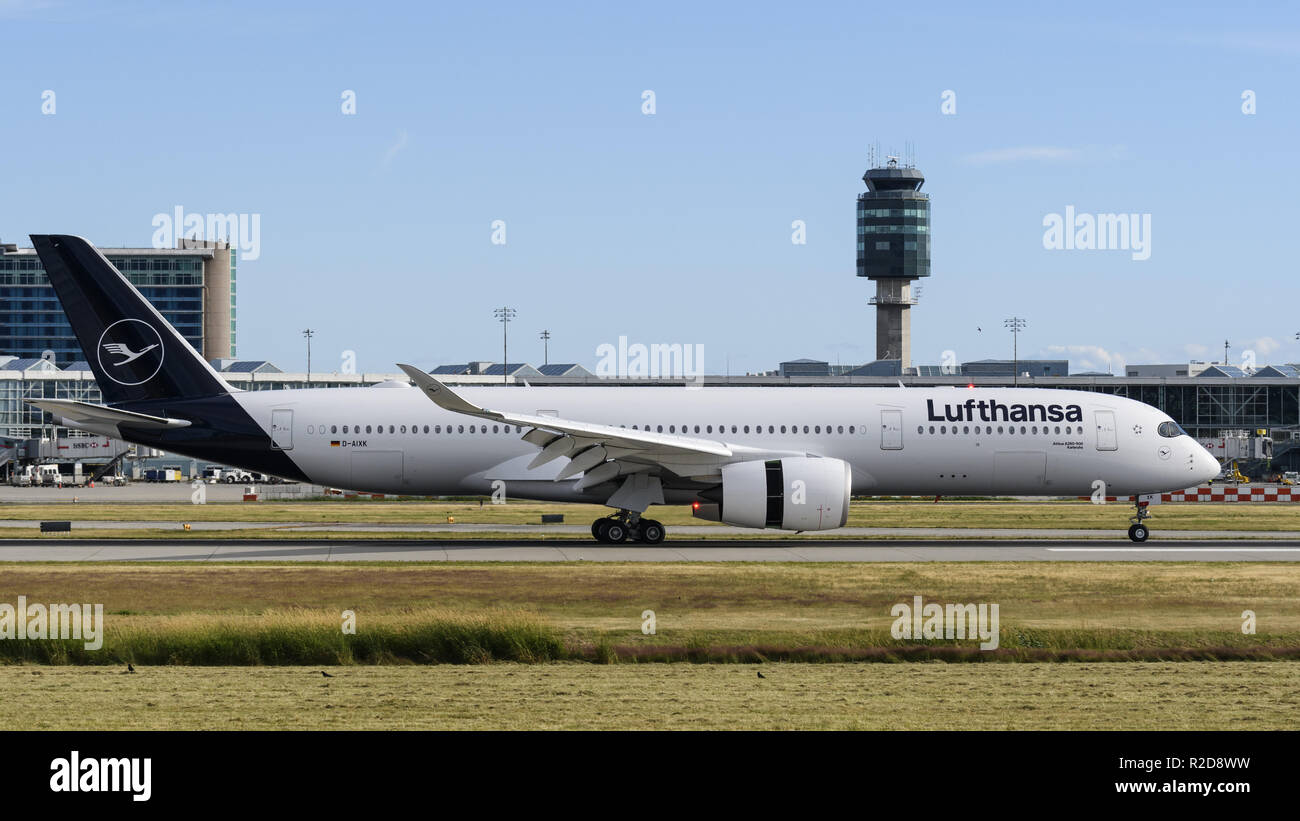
[325, 674]
[760, 675]
[129, 667]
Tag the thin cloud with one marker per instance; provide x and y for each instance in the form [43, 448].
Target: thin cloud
[1043, 154]
[1091, 358]
[396, 148]
[1265, 42]
[1266, 345]
[18, 9]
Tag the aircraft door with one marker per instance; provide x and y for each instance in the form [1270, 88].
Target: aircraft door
[282, 429]
[1106, 438]
[891, 430]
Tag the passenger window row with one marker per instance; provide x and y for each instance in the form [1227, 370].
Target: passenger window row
[1025, 430]
[414, 429]
[826, 430]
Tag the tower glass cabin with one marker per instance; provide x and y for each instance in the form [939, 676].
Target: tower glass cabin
[893, 250]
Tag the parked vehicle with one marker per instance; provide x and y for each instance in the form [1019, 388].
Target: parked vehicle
[217, 473]
[1231, 475]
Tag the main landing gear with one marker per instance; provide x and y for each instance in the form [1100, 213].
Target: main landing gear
[627, 526]
[1137, 531]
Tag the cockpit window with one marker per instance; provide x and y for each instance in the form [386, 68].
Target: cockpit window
[1170, 430]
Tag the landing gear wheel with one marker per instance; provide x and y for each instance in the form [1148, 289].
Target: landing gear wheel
[1139, 532]
[615, 532]
[625, 526]
[651, 531]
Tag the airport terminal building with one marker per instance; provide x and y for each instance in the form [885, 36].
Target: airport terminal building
[192, 286]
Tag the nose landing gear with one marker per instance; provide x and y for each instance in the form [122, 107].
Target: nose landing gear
[1137, 531]
[627, 526]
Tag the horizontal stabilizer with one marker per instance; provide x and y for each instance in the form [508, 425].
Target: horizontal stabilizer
[87, 413]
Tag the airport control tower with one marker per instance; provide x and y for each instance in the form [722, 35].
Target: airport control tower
[893, 250]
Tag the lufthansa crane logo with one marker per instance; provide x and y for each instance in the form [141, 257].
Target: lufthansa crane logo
[122, 350]
[130, 352]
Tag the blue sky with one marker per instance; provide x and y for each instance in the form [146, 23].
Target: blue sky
[675, 227]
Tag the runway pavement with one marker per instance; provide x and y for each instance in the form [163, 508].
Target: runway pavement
[437, 530]
[300, 550]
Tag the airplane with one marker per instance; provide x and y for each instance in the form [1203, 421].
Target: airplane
[788, 458]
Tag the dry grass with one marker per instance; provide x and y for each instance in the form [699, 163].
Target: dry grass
[1155, 595]
[300, 636]
[714, 611]
[1139, 696]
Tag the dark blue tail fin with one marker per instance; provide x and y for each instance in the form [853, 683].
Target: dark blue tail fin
[135, 354]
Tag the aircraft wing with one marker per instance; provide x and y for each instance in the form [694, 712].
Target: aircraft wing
[599, 452]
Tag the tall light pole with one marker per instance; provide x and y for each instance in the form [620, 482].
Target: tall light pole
[504, 315]
[308, 333]
[546, 345]
[1015, 324]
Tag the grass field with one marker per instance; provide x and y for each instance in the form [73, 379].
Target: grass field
[275, 614]
[1138, 696]
[242, 647]
[1234, 517]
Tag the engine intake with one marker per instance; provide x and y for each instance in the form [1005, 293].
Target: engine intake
[793, 493]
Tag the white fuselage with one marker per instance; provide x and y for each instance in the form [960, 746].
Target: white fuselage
[943, 441]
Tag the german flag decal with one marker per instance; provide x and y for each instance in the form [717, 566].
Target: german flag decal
[334, 443]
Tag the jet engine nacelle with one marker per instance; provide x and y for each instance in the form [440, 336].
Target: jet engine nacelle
[794, 493]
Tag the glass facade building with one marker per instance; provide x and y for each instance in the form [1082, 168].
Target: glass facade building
[1204, 407]
[19, 420]
[175, 281]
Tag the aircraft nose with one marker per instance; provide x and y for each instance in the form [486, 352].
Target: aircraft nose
[1207, 467]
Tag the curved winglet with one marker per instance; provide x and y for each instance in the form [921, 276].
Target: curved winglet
[443, 396]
